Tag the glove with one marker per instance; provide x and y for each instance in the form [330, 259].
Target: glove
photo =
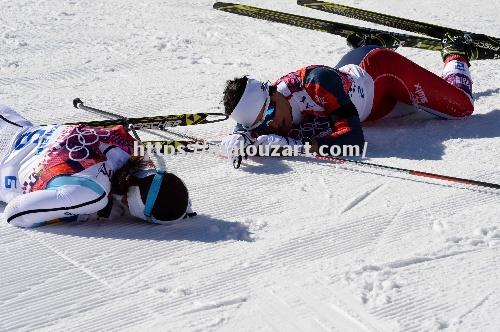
[276, 145]
[231, 145]
[277, 140]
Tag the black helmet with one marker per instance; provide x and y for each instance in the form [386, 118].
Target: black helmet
[159, 198]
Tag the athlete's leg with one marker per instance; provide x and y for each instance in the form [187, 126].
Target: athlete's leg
[355, 56]
[39, 207]
[399, 79]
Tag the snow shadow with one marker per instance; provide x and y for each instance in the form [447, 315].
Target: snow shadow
[485, 93]
[262, 165]
[201, 228]
[422, 136]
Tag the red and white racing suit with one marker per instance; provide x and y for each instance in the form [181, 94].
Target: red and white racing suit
[328, 103]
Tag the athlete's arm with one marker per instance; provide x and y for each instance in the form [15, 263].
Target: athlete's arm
[326, 88]
[346, 132]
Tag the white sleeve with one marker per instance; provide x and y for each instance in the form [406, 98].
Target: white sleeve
[11, 124]
[39, 207]
[8, 115]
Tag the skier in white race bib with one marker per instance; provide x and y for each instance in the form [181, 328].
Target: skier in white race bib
[325, 106]
[70, 172]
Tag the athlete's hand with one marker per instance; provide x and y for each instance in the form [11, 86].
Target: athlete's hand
[277, 140]
[233, 145]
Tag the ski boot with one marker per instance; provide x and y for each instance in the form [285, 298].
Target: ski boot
[456, 53]
[386, 40]
[457, 48]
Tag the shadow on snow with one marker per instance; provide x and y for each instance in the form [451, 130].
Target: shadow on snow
[201, 228]
[420, 137]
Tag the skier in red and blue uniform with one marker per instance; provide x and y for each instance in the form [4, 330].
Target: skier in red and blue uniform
[326, 106]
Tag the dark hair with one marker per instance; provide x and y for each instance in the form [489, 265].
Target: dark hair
[123, 178]
[173, 198]
[272, 90]
[233, 92]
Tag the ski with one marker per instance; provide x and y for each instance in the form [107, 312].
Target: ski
[159, 122]
[486, 47]
[335, 28]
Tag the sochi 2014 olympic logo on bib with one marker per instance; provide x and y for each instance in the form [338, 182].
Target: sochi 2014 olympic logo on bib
[78, 143]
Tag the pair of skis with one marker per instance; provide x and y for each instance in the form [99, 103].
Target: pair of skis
[483, 46]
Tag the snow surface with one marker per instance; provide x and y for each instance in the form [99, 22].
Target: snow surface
[280, 244]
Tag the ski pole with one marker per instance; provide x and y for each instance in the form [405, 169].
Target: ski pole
[78, 103]
[341, 160]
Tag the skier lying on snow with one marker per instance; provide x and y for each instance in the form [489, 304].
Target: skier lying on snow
[67, 172]
[325, 106]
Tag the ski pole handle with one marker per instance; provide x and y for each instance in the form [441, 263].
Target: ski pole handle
[78, 103]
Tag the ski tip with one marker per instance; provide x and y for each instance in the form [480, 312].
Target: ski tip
[77, 102]
[218, 5]
[303, 2]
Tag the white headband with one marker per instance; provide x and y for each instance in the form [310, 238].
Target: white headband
[256, 94]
